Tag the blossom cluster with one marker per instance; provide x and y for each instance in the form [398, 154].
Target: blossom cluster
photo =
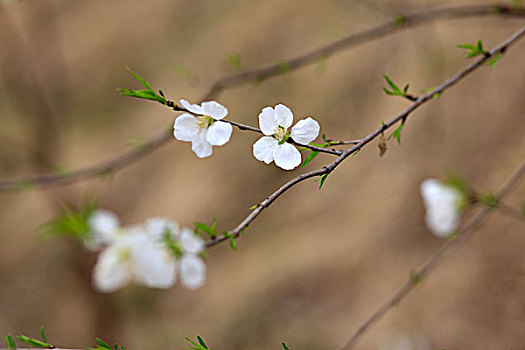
[151, 254]
[204, 127]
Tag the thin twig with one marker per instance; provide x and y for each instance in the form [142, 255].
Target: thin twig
[218, 86]
[432, 262]
[402, 116]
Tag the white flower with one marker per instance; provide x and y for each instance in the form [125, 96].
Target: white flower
[442, 203]
[104, 227]
[274, 123]
[158, 228]
[192, 268]
[203, 130]
[134, 257]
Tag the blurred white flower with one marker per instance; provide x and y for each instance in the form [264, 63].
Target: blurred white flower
[442, 203]
[274, 123]
[191, 267]
[134, 257]
[203, 130]
[104, 227]
[159, 228]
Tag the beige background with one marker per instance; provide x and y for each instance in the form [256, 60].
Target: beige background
[314, 265]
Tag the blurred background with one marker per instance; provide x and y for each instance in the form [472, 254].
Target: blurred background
[310, 269]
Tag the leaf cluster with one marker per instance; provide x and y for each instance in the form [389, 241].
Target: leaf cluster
[147, 94]
[396, 91]
[200, 346]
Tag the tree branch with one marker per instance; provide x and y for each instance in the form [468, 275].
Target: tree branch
[402, 116]
[218, 86]
[432, 262]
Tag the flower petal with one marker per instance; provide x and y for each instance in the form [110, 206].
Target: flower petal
[104, 226]
[158, 227]
[267, 121]
[442, 207]
[110, 273]
[152, 265]
[186, 127]
[283, 116]
[286, 156]
[214, 110]
[190, 242]
[192, 271]
[192, 108]
[200, 146]
[219, 133]
[263, 149]
[305, 131]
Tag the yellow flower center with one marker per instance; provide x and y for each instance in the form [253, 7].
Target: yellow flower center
[204, 121]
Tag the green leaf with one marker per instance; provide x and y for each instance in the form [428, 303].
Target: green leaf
[492, 62]
[472, 50]
[321, 180]
[43, 334]
[137, 142]
[233, 244]
[400, 20]
[309, 158]
[395, 89]
[11, 345]
[72, 220]
[430, 89]
[253, 207]
[201, 342]
[285, 347]
[33, 342]
[415, 277]
[147, 94]
[234, 60]
[489, 200]
[284, 67]
[195, 345]
[397, 133]
[209, 230]
[103, 344]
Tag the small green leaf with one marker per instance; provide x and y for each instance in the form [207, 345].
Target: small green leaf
[234, 60]
[284, 67]
[430, 89]
[309, 158]
[233, 245]
[209, 230]
[103, 344]
[321, 180]
[397, 133]
[43, 334]
[147, 94]
[72, 220]
[33, 342]
[201, 342]
[395, 89]
[137, 142]
[489, 200]
[472, 50]
[415, 277]
[285, 347]
[253, 207]
[11, 345]
[492, 62]
[400, 20]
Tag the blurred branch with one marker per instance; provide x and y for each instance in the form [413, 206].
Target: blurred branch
[432, 262]
[399, 23]
[401, 117]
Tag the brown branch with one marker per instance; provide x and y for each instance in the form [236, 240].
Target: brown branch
[432, 262]
[218, 86]
[402, 116]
